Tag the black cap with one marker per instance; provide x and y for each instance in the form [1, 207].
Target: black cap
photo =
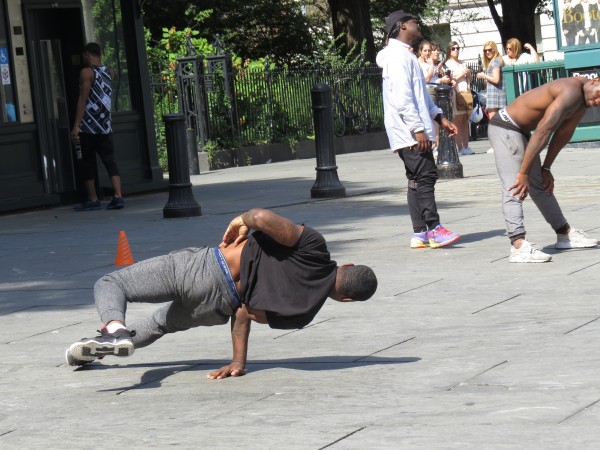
[396, 17]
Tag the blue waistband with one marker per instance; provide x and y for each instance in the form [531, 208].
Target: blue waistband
[225, 268]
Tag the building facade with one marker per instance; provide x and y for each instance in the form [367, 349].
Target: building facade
[470, 24]
[40, 61]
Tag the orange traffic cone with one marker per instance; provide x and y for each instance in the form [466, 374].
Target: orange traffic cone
[124, 256]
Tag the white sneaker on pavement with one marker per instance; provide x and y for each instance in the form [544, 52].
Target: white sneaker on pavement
[467, 151]
[527, 253]
[574, 239]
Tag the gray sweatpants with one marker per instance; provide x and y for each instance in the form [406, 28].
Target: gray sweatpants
[509, 148]
[191, 280]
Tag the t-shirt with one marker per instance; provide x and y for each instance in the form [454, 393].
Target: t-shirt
[290, 283]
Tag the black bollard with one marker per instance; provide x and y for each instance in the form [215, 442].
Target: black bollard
[181, 201]
[448, 164]
[327, 183]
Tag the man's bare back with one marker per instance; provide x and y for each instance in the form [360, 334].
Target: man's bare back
[552, 111]
[529, 109]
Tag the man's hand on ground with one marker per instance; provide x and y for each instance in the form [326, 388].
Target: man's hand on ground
[234, 369]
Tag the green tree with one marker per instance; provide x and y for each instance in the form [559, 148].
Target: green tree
[518, 20]
[250, 29]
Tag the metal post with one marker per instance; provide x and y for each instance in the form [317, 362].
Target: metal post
[327, 183]
[181, 201]
[448, 164]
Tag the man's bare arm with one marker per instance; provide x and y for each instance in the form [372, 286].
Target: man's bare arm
[561, 137]
[564, 104]
[240, 331]
[282, 230]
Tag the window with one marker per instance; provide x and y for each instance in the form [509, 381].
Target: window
[8, 111]
[104, 25]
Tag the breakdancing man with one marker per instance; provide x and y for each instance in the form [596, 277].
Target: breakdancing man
[279, 275]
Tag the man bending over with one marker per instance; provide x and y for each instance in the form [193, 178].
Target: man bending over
[552, 112]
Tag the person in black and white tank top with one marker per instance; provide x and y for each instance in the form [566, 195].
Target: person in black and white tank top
[92, 128]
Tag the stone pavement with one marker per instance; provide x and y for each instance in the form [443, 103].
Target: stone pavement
[458, 348]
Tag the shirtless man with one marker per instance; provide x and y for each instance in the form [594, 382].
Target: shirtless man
[552, 112]
[279, 275]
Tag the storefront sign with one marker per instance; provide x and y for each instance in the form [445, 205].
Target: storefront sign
[577, 27]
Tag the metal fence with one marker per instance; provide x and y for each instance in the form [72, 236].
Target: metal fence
[264, 106]
[253, 106]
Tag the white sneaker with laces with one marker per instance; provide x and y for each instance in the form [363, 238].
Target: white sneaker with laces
[574, 239]
[527, 253]
[467, 151]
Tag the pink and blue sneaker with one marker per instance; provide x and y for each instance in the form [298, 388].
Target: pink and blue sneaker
[440, 237]
[420, 240]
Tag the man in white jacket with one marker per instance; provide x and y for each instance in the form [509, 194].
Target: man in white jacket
[409, 112]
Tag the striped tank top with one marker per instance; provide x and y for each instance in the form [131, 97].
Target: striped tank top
[96, 118]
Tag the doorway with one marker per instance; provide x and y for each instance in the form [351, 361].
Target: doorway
[56, 38]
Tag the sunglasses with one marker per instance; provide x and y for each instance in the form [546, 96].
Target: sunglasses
[488, 50]
[455, 48]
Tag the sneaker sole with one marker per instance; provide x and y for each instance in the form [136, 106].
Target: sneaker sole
[419, 244]
[444, 244]
[72, 361]
[90, 350]
[529, 261]
[570, 246]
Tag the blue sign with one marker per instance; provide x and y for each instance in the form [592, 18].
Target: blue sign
[3, 56]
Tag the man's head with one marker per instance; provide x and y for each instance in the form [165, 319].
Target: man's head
[91, 51]
[591, 92]
[403, 26]
[357, 283]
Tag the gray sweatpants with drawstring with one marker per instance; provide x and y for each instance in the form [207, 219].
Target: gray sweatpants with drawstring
[509, 149]
[190, 280]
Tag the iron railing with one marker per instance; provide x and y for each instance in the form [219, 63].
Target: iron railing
[265, 106]
[268, 105]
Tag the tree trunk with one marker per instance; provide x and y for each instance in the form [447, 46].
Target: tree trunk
[352, 19]
[518, 20]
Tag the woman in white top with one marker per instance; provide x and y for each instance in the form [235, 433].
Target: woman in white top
[439, 75]
[515, 55]
[461, 76]
[425, 60]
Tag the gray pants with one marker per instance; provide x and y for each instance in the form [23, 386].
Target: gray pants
[191, 280]
[509, 148]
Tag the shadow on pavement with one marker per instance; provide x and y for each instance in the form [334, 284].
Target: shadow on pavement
[152, 378]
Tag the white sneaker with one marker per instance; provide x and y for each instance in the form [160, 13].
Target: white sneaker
[490, 150]
[467, 151]
[528, 253]
[575, 239]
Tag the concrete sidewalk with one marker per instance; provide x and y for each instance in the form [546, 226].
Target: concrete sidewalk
[458, 348]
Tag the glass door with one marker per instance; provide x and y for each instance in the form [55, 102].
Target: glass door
[57, 154]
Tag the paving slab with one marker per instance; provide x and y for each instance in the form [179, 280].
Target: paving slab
[457, 349]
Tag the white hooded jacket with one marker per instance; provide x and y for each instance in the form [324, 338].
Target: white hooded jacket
[407, 105]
